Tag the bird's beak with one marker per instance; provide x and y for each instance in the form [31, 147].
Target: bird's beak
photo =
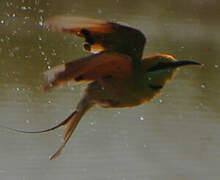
[173, 64]
[184, 63]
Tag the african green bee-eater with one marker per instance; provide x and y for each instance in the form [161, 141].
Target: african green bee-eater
[118, 76]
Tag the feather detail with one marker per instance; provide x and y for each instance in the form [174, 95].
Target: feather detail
[89, 69]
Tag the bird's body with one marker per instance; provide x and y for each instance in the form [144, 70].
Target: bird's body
[114, 92]
[118, 93]
[117, 74]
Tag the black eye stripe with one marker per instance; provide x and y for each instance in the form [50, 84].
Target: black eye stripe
[88, 36]
[154, 87]
[78, 78]
[85, 32]
[162, 65]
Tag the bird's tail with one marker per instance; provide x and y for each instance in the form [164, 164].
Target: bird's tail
[72, 122]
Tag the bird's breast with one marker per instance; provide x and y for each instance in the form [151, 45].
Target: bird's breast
[120, 93]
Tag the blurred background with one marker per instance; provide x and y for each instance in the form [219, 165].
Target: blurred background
[174, 137]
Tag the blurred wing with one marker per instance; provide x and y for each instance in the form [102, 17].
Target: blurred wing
[89, 69]
[101, 35]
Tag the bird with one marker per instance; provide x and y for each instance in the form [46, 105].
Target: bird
[116, 72]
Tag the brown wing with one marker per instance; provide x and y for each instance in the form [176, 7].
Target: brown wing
[90, 68]
[102, 35]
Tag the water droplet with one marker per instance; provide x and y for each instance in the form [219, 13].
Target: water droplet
[53, 53]
[203, 86]
[41, 11]
[7, 38]
[160, 101]
[11, 54]
[36, 2]
[41, 23]
[26, 17]
[14, 32]
[216, 66]
[141, 118]
[23, 8]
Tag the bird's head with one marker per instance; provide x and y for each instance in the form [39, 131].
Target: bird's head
[161, 68]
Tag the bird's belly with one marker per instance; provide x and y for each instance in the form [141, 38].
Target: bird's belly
[119, 93]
